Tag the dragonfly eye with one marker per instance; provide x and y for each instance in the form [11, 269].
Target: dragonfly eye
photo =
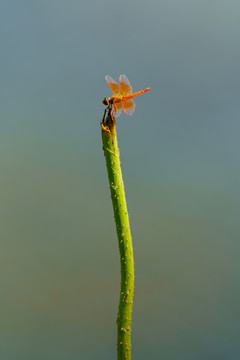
[105, 101]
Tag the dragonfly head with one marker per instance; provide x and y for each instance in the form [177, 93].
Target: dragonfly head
[105, 101]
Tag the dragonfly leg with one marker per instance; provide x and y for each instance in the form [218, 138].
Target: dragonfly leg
[108, 109]
[104, 115]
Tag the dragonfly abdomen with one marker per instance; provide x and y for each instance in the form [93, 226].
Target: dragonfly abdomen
[129, 96]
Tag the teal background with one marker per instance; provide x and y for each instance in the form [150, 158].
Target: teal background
[59, 264]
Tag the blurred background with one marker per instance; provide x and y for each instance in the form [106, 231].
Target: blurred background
[59, 260]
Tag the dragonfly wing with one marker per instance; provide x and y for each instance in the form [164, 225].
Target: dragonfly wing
[113, 84]
[125, 86]
[128, 106]
[117, 109]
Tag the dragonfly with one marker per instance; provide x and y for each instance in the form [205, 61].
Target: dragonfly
[122, 96]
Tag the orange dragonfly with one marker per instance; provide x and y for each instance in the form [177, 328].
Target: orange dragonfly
[122, 96]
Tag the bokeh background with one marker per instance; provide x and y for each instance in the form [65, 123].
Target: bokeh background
[59, 261]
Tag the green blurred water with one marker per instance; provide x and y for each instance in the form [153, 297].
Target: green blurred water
[59, 258]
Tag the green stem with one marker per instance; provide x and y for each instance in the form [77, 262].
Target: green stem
[111, 152]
